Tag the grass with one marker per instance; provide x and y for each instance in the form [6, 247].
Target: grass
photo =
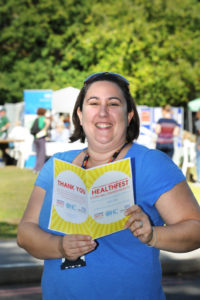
[15, 189]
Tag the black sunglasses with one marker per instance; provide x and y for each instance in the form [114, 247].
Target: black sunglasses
[95, 75]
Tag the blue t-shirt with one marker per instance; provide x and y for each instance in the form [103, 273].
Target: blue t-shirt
[121, 267]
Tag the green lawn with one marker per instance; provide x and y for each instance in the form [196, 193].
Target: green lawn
[15, 188]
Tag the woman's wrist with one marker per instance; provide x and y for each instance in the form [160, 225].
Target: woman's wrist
[61, 249]
[153, 240]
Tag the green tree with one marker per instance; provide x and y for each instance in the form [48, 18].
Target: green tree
[51, 44]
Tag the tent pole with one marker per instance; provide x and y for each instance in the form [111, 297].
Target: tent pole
[190, 121]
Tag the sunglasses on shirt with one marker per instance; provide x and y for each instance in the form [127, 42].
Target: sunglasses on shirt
[90, 78]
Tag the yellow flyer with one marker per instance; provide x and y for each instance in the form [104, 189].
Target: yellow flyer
[91, 201]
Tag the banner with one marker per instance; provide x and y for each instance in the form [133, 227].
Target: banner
[37, 98]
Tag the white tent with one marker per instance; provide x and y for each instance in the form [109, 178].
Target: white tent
[63, 100]
[193, 106]
[15, 112]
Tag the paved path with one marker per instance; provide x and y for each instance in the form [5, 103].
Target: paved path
[16, 265]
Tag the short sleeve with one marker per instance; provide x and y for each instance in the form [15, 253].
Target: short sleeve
[159, 174]
[45, 175]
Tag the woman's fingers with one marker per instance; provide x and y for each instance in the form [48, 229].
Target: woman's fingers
[136, 217]
[78, 240]
[139, 223]
[76, 245]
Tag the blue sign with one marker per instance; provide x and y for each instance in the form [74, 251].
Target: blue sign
[37, 98]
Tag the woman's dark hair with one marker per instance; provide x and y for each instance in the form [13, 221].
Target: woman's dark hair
[134, 125]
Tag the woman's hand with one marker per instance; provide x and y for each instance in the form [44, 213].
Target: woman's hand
[139, 224]
[72, 246]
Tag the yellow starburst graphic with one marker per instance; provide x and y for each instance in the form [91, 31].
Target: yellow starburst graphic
[94, 173]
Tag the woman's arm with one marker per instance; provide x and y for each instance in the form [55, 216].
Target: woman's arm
[181, 214]
[47, 124]
[158, 128]
[44, 245]
[176, 131]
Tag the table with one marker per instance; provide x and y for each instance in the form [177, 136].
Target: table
[7, 141]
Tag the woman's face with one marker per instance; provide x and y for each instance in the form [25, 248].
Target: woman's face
[104, 114]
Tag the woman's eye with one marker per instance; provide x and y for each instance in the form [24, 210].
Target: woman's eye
[114, 104]
[93, 103]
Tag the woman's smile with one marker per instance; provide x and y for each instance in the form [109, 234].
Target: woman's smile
[103, 125]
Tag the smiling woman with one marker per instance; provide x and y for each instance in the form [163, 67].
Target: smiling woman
[104, 117]
[121, 93]
[124, 264]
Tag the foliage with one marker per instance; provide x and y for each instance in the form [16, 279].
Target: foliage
[8, 230]
[51, 44]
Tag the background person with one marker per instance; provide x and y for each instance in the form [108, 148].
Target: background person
[19, 150]
[4, 126]
[40, 139]
[125, 264]
[166, 128]
[66, 121]
[197, 127]
[4, 123]
[60, 133]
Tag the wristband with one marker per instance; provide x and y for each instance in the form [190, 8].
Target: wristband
[154, 238]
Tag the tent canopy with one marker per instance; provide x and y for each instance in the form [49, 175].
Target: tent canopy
[194, 105]
[63, 100]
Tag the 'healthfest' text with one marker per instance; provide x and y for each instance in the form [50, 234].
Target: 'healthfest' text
[110, 187]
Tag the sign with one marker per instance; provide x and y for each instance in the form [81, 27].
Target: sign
[37, 98]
